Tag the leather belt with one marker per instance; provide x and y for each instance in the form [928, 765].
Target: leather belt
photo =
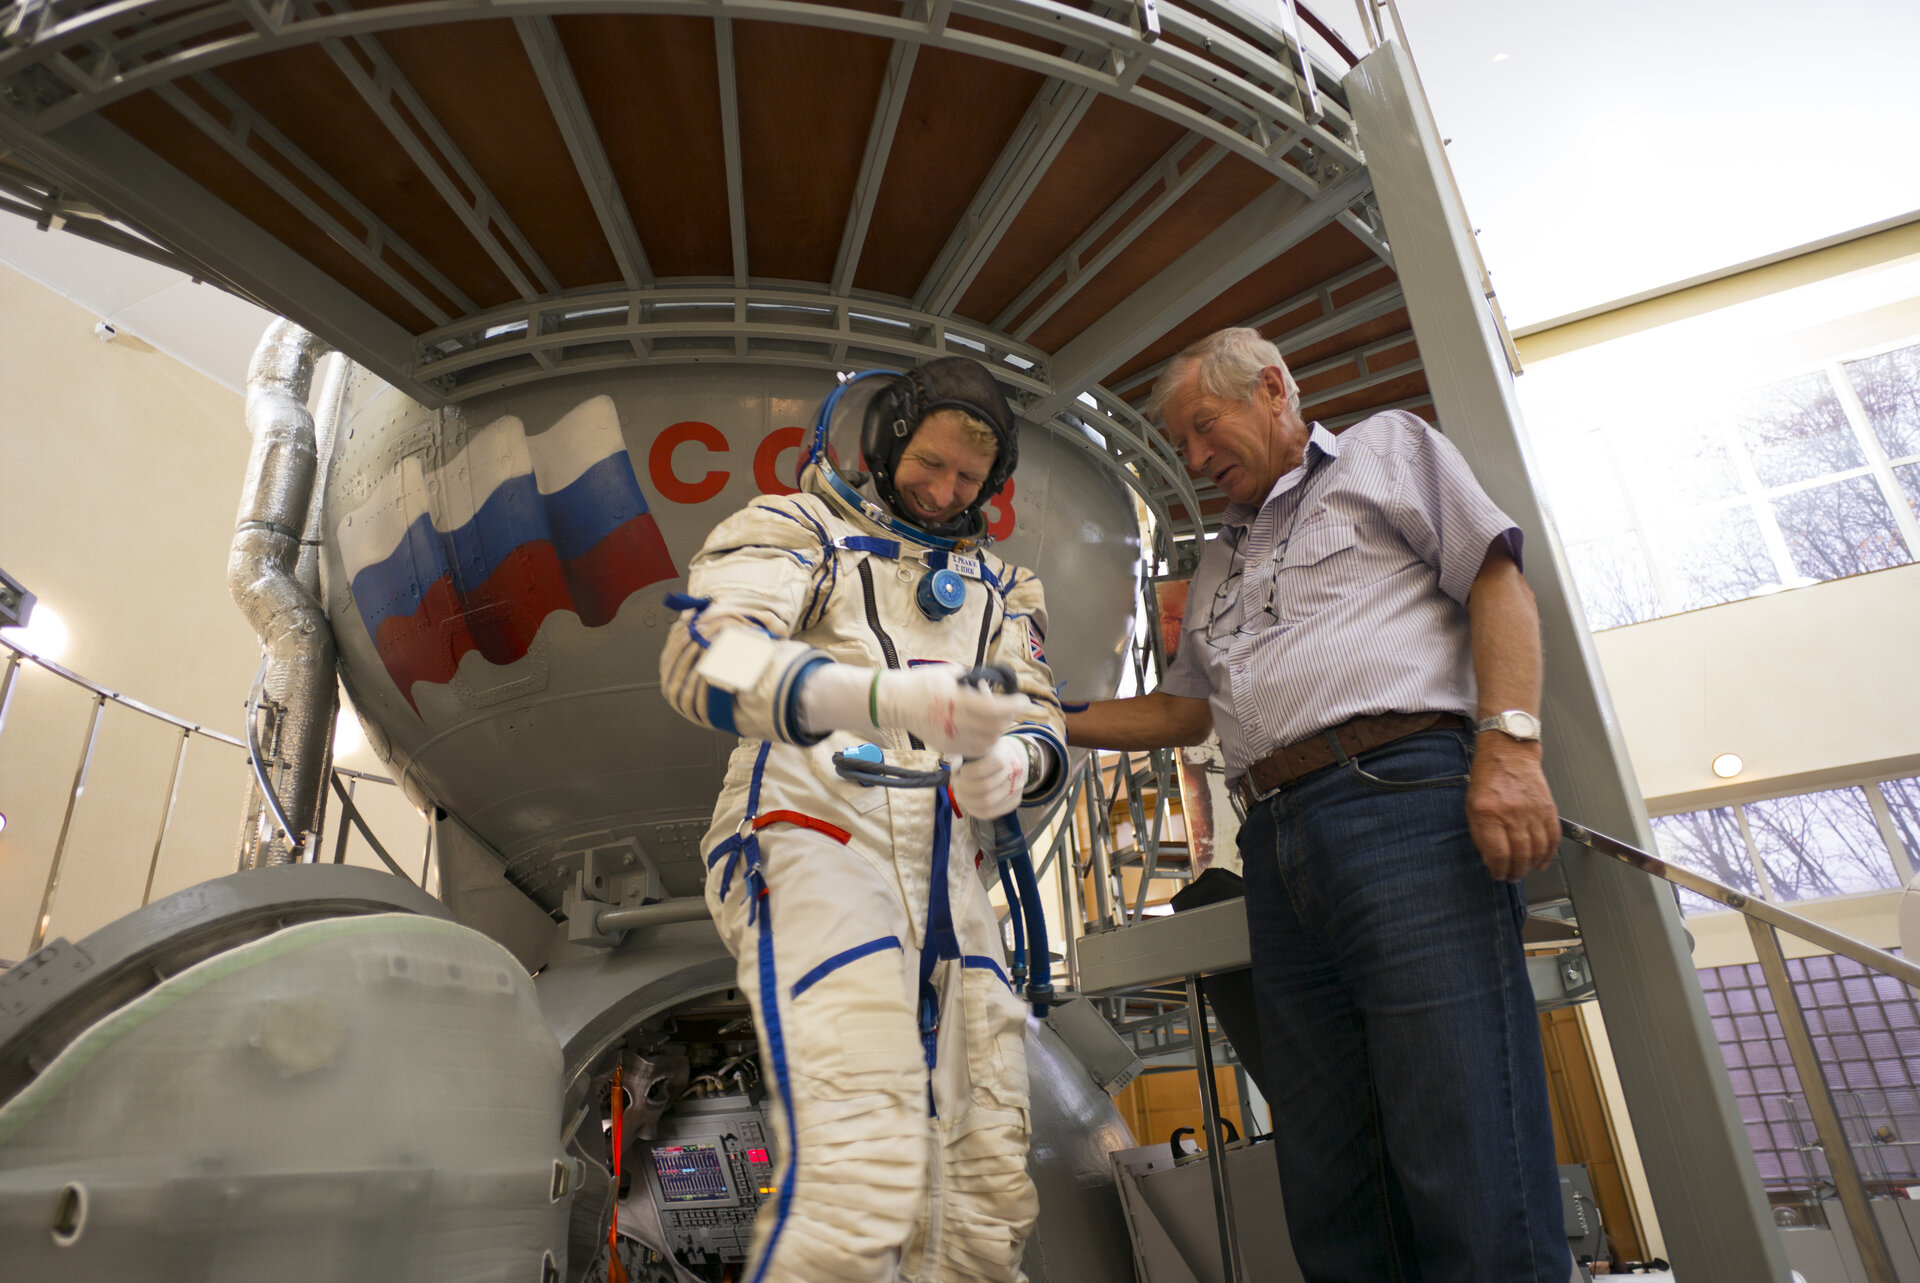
[1285, 765]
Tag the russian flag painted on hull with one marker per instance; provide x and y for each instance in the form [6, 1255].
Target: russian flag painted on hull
[475, 554]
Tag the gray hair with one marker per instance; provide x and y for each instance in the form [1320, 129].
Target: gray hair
[1228, 363]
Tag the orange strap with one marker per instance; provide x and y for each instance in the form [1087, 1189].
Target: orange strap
[833, 831]
[616, 1271]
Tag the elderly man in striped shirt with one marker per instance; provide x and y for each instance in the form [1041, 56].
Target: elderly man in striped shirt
[1360, 636]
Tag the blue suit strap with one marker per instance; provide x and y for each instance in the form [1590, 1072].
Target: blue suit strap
[980, 962]
[841, 959]
[888, 548]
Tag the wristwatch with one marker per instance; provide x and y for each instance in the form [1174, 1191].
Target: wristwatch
[1515, 723]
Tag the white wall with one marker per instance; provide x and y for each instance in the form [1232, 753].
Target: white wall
[1808, 686]
[121, 470]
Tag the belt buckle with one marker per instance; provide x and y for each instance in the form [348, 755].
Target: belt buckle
[1251, 797]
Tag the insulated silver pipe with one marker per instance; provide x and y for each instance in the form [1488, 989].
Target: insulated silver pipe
[261, 574]
[326, 428]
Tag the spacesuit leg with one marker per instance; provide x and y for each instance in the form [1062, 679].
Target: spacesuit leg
[826, 959]
[984, 1201]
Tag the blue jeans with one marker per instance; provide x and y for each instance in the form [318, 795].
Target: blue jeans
[1410, 1121]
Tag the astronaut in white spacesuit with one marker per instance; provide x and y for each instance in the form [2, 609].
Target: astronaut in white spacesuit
[842, 620]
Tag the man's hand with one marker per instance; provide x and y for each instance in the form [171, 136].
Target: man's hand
[1510, 810]
[950, 717]
[989, 787]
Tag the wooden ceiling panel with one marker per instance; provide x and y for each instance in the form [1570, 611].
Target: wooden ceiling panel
[993, 30]
[1407, 385]
[168, 134]
[959, 113]
[303, 94]
[1113, 146]
[807, 98]
[1380, 327]
[477, 80]
[1212, 506]
[1312, 385]
[1327, 253]
[1226, 189]
[652, 85]
[1363, 286]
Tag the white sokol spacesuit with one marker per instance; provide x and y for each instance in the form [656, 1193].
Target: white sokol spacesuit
[890, 1035]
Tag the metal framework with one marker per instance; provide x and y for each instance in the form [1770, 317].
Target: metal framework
[69, 58]
[1050, 120]
[102, 697]
[392, 98]
[1261, 231]
[1093, 250]
[550, 65]
[873, 163]
[730, 140]
[50, 208]
[1236, 83]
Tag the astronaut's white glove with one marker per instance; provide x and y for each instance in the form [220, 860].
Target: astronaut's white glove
[991, 786]
[952, 719]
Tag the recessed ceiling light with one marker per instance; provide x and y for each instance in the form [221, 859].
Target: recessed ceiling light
[1501, 57]
[1728, 765]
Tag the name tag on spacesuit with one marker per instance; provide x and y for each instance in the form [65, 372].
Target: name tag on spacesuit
[964, 566]
[737, 659]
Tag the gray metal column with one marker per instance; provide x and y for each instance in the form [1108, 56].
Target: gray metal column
[1706, 1188]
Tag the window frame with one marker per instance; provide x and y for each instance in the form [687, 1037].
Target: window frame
[1904, 860]
[1669, 577]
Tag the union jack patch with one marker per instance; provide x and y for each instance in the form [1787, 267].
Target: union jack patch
[1033, 643]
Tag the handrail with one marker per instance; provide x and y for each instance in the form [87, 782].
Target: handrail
[21, 653]
[1764, 922]
[15, 655]
[1764, 910]
[126, 701]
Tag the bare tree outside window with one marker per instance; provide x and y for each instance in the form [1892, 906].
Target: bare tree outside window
[1717, 555]
[1676, 464]
[1903, 799]
[1909, 478]
[1795, 430]
[1815, 844]
[1889, 388]
[1841, 529]
[1582, 487]
[1706, 492]
[1616, 588]
[1709, 843]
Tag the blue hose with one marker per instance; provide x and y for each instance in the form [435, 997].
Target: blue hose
[1013, 852]
[1008, 884]
[1032, 964]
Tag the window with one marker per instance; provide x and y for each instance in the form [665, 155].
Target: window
[1814, 844]
[1709, 843]
[1903, 808]
[1840, 529]
[1889, 389]
[1796, 430]
[1811, 478]
[1616, 585]
[1800, 846]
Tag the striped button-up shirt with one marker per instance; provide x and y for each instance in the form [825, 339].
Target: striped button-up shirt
[1344, 593]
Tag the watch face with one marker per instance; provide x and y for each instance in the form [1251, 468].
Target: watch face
[1520, 723]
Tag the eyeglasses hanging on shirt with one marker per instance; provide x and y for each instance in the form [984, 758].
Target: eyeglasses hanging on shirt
[1226, 614]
